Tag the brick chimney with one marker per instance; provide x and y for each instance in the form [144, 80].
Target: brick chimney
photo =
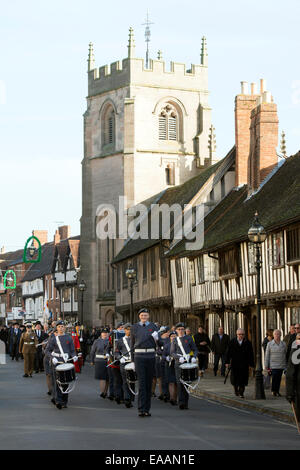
[56, 237]
[42, 235]
[263, 139]
[64, 232]
[244, 104]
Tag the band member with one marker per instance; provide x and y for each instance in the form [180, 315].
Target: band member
[163, 337]
[169, 370]
[115, 366]
[27, 347]
[76, 342]
[14, 341]
[61, 348]
[292, 377]
[181, 349]
[123, 348]
[143, 343]
[47, 362]
[41, 337]
[99, 355]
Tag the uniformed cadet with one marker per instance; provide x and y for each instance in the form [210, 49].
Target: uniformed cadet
[115, 366]
[99, 356]
[55, 344]
[27, 347]
[143, 343]
[163, 337]
[169, 369]
[180, 350]
[48, 361]
[123, 351]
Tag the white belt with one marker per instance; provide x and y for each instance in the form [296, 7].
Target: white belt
[144, 350]
[28, 343]
[55, 354]
[101, 356]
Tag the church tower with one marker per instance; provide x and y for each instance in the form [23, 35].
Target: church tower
[145, 129]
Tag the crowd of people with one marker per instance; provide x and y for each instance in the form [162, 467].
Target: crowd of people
[169, 359]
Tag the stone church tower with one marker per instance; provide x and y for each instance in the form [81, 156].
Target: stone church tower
[145, 129]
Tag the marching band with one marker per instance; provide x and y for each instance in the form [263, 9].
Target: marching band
[128, 361]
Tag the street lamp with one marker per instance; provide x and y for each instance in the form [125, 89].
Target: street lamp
[82, 287]
[131, 276]
[257, 236]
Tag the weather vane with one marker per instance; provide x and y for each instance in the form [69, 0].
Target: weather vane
[147, 37]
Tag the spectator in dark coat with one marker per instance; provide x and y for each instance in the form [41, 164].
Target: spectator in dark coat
[267, 339]
[240, 356]
[219, 345]
[4, 337]
[202, 342]
[287, 337]
[14, 340]
[293, 376]
[292, 339]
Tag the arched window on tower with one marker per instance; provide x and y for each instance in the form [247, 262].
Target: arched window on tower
[108, 127]
[168, 123]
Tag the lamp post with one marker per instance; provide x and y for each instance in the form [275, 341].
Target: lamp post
[257, 236]
[131, 276]
[82, 287]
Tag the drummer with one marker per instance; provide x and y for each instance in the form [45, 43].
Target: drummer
[181, 349]
[123, 353]
[99, 355]
[57, 345]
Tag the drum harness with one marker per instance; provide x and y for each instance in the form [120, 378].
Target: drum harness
[129, 383]
[65, 356]
[188, 387]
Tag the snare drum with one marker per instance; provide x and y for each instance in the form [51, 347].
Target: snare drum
[65, 373]
[130, 372]
[188, 372]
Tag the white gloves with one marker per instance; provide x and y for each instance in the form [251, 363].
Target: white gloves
[168, 358]
[122, 360]
[80, 339]
[107, 355]
[181, 360]
[155, 335]
[54, 361]
[193, 360]
[75, 358]
[133, 366]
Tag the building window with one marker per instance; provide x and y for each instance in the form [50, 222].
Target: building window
[192, 272]
[153, 265]
[277, 249]
[108, 127]
[76, 294]
[178, 272]
[168, 123]
[170, 175]
[229, 263]
[163, 262]
[200, 264]
[293, 245]
[271, 319]
[66, 295]
[145, 265]
[251, 258]
[118, 278]
[295, 315]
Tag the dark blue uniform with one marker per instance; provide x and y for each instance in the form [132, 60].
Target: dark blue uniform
[122, 350]
[101, 347]
[144, 346]
[175, 352]
[52, 349]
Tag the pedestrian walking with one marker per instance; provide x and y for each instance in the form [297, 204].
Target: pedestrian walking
[275, 361]
[239, 356]
[14, 341]
[219, 345]
[267, 339]
[39, 356]
[27, 347]
[202, 342]
[287, 337]
[292, 377]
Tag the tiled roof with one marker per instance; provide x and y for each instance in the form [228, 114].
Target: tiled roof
[37, 270]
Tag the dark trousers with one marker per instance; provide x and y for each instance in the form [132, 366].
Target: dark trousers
[183, 396]
[59, 397]
[15, 351]
[145, 369]
[38, 361]
[111, 389]
[117, 378]
[128, 396]
[276, 379]
[217, 358]
[203, 361]
[165, 383]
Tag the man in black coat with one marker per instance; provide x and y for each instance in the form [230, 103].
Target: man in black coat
[14, 340]
[292, 377]
[39, 357]
[219, 345]
[239, 356]
[202, 342]
[291, 340]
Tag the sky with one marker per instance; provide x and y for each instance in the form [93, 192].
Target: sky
[43, 85]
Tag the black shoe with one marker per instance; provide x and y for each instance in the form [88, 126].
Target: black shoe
[128, 404]
[36, 371]
[166, 398]
[186, 407]
[141, 414]
[25, 375]
[111, 398]
[49, 393]
[64, 406]
[153, 394]
[173, 402]
[236, 392]
[42, 370]
[53, 401]
[215, 373]
[278, 394]
[30, 375]
[103, 395]
[58, 406]
[161, 397]
[181, 407]
[147, 413]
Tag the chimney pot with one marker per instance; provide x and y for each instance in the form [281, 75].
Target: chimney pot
[244, 88]
[253, 89]
[262, 85]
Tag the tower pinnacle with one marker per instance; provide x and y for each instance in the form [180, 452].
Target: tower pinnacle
[131, 44]
[204, 51]
[91, 58]
[283, 145]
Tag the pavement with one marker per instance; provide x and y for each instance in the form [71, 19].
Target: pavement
[29, 421]
[213, 388]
